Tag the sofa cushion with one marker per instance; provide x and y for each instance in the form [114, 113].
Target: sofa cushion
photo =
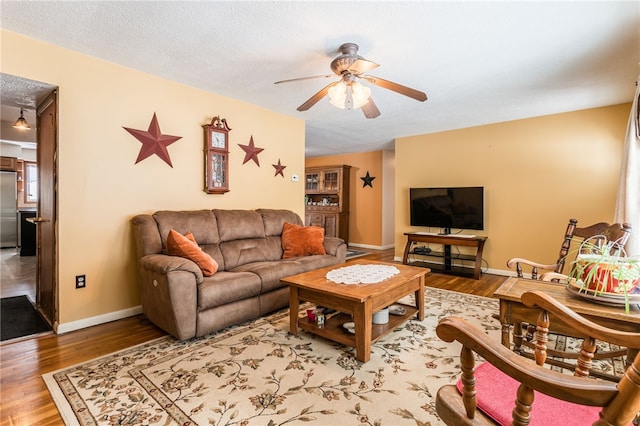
[202, 223]
[186, 246]
[239, 224]
[271, 272]
[226, 287]
[215, 319]
[274, 220]
[239, 252]
[316, 262]
[213, 250]
[274, 245]
[302, 240]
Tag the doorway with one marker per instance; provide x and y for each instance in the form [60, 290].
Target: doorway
[32, 274]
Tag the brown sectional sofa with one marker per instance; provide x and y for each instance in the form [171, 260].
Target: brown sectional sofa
[247, 246]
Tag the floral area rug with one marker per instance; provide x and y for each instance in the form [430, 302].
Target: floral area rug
[258, 374]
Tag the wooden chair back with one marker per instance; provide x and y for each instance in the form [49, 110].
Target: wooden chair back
[597, 234]
[602, 233]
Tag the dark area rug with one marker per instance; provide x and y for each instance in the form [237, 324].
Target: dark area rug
[19, 318]
[351, 254]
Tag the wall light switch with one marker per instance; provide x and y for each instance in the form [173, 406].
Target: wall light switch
[295, 178]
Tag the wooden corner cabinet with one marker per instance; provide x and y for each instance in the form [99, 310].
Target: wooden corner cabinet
[327, 199]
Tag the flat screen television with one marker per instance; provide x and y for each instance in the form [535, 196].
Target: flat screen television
[460, 208]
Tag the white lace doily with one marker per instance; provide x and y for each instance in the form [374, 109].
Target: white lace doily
[362, 274]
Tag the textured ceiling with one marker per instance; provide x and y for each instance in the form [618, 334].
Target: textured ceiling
[479, 62]
[17, 93]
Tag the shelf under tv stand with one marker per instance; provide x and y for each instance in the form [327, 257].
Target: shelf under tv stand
[447, 240]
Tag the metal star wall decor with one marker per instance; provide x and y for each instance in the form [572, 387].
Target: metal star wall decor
[153, 141]
[367, 180]
[251, 152]
[279, 169]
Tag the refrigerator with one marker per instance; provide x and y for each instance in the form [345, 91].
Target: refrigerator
[8, 210]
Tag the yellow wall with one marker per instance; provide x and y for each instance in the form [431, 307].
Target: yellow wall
[365, 215]
[537, 174]
[100, 187]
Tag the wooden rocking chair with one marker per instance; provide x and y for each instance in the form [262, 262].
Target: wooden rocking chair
[599, 232]
[485, 394]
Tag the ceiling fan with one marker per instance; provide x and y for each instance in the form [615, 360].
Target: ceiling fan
[348, 93]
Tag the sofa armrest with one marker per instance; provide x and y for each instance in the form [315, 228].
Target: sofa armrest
[336, 247]
[163, 264]
[169, 293]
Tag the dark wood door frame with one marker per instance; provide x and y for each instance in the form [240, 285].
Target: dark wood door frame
[46, 252]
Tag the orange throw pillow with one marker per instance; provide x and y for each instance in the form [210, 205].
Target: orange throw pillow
[187, 247]
[302, 240]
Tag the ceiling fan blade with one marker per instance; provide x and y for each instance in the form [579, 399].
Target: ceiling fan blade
[361, 66]
[399, 88]
[305, 78]
[370, 109]
[315, 98]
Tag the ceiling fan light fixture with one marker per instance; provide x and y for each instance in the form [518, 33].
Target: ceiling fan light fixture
[361, 94]
[348, 93]
[21, 123]
[338, 95]
[349, 96]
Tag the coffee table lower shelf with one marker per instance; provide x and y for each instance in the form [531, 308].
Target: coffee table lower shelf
[333, 329]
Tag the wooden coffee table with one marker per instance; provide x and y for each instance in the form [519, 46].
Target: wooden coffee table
[355, 302]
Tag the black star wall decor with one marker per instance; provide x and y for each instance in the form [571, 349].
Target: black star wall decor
[367, 180]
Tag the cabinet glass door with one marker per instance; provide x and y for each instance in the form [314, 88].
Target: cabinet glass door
[312, 181]
[331, 180]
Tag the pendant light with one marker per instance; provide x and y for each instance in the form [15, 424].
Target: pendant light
[21, 123]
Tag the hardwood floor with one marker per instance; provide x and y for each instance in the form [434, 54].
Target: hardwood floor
[485, 286]
[18, 274]
[25, 398]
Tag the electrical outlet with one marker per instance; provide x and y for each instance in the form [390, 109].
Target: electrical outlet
[81, 281]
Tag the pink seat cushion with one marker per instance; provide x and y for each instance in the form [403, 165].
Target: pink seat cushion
[496, 395]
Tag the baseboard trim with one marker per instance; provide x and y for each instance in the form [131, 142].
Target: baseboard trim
[97, 320]
[503, 272]
[369, 246]
[506, 273]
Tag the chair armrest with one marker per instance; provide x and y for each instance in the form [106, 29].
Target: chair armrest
[582, 326]
[512, 263]
[554, 276]
[578, 390]
[163, 264]
[517, 262]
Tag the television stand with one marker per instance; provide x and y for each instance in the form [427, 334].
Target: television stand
[447, 240]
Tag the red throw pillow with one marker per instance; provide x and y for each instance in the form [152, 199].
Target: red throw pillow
[187, 247]
[302, 240]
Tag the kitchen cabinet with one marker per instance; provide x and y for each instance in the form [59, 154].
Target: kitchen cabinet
[8, 164]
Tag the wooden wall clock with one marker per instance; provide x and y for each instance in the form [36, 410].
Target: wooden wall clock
[216, 156]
